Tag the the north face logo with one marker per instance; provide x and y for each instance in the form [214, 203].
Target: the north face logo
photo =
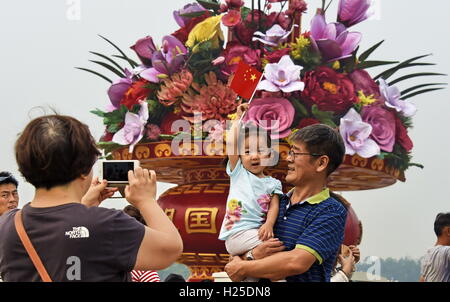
[78, 232]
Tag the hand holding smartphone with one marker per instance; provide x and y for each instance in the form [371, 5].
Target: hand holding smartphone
[116, 171]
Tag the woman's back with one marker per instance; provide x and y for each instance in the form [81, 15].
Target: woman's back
[75, 243]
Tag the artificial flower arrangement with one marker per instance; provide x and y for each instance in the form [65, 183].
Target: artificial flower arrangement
[313, 76]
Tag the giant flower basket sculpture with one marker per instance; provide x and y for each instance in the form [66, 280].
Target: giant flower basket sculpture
[169, 108]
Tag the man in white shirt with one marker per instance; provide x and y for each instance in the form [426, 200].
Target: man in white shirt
[436, 263]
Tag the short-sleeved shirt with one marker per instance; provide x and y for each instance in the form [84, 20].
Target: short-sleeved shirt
[74, 242]
[316, 225]
[436, 264]
[248, 200]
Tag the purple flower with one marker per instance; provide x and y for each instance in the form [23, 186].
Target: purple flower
[118, 90]
[187, 9]
[275, 115]
[145, 48]
[333, 40]
[363, 81]
[134, 128]
[166, 61]
[392, 99]
[284, 76]
[383, 126]
[356, 135]
[352, 12]
[274, 36]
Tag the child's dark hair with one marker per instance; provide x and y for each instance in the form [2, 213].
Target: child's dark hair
[245, 132]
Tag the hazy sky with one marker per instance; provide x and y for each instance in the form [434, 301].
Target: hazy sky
[42, 42]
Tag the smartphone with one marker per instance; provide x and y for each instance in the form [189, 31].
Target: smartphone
[116, 171]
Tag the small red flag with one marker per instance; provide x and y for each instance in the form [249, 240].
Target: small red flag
[245, 80]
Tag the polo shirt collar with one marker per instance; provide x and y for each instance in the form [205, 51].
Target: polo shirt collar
[315, 199]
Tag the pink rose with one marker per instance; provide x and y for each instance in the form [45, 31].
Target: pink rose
[275, 115]
[383, 126]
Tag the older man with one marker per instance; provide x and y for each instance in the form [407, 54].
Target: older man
[310, 224]
[9, 197]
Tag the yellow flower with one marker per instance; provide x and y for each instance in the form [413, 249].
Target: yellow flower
[207, 30]
[366, 100]
[336, 65]
[298, 46]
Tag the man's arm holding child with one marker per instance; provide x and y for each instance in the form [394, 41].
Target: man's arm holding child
[275, 267]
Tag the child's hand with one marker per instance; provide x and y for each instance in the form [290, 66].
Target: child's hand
[265, 232]
[241, 109]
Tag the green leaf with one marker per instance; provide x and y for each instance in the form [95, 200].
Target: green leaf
[420, 92]
[113, 128]
[110, 68]
[130, 61]
[98, 112]
[96, 73]
[325, 117]
[415, 75]
[299, 107]
[118, 49]
[108, 59]
[209, 4]
[406, 91]
[244, 12]
[193, 15]
[363, 57]
[416, 165]
[370, 64]
[388, 73]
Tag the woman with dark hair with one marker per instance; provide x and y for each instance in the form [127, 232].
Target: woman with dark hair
[70, 237]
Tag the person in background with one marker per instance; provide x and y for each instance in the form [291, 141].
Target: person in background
[436, 263]
[174, 278]
[9, 196]
[136, 275]
[347, 259]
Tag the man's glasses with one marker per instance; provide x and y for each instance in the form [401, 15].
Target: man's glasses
[294, 154]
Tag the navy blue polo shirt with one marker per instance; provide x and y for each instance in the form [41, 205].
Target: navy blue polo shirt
[316, 225]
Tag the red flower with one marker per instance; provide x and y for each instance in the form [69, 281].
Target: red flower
[136, 93]
[329, 90]
[107, 136]
[307, 122]
[244, 32]
[232, 18]
[402, 135]
[236, 52]
[183, 33]
[275, 56]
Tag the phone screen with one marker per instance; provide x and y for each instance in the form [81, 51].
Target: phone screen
[117, 171]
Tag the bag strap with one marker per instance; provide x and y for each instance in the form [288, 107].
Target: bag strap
[29, 247]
